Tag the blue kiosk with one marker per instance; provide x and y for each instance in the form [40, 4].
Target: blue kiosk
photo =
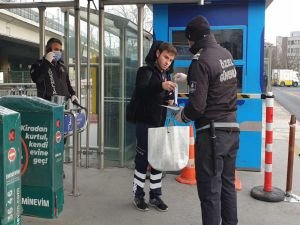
[238, 25]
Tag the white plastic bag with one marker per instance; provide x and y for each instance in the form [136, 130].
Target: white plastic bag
[168, 147]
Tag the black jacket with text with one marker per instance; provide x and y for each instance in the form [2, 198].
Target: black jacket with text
[212, 84]
[51, 79]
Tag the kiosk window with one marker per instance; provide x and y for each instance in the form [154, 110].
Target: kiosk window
[183, 87]
[231, 39]
[239, 76]
[181, 44]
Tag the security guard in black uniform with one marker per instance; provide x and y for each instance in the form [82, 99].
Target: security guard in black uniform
[212, 105]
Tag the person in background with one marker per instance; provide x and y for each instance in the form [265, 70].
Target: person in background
[50, 74]
[153, 88]
[212, 106]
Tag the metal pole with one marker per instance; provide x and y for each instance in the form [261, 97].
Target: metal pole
[67, 61]
[100, 84]
[78, 60]
[289, 179]
[88, 85]
[140, 33]
[42, 30]
[289, 197]
[67, 38]
[122, 108]
[75, 192]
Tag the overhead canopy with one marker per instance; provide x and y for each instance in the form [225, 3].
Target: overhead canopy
[5, 5]
[124, 2]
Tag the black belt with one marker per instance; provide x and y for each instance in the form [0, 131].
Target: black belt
[222, 126]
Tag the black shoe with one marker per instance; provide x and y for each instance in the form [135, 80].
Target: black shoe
[158, 204]
[140, 204]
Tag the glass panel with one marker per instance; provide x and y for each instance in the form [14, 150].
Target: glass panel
[131, 62]
[112, 124]
[239, 75]
[94, 47]
[55, 19]
[113, 86]
[147, 45]
[181, 43]
[231, 39]
[112, 66]
[72, 75]
[92, 87]
[15, 61]
[131, 65]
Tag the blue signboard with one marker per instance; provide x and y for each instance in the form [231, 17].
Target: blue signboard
[80, 122]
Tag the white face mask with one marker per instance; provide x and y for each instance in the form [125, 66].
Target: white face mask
[58, 55]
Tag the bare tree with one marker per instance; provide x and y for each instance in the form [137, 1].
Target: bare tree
[130, 12]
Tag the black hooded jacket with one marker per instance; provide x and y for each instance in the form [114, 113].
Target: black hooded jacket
[51, 79]
[212, 84]
[149, 91]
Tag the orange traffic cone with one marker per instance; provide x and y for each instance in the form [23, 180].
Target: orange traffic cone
[188, 174]
[237, 182]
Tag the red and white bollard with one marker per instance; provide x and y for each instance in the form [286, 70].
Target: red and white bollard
[269, 142]
[268, 193]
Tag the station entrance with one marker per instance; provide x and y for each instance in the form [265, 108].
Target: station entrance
[102, 52]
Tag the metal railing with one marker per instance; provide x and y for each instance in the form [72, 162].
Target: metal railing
[27, 89]
[19, 76]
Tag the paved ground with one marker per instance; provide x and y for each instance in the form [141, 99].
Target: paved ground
[106, 195]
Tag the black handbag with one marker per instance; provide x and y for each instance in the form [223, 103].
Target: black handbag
[132, 106]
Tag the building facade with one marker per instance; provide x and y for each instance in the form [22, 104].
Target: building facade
[293, 51]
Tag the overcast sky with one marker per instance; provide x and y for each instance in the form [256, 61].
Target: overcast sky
[282, 17]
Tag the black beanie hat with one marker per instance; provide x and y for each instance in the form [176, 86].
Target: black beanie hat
[197, 28]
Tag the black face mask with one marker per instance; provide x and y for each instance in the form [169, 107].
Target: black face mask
[195, 48]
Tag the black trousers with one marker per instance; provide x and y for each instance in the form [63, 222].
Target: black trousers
[217, 193]
[141, 165]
